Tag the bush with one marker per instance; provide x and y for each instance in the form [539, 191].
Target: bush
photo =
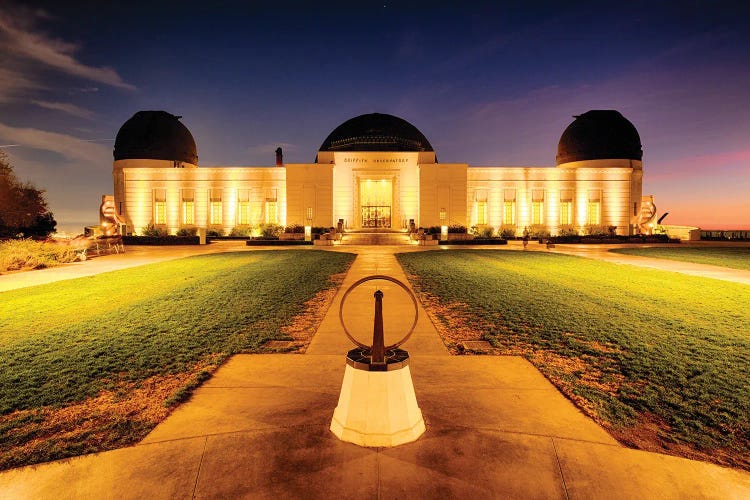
[457, 229]
[594, 230]
[567, 230]
[270, 231]
[153, 231]
[483, 232]
[294, 229]
[184, 232]
[321, 230]
[432, 230]
[538, 231]
[214, 233]
[244, 231]
[508, 232]
[26, 254]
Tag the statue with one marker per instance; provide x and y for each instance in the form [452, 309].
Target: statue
[109, 221]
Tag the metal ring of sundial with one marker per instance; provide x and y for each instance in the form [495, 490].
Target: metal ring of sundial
[386, 278]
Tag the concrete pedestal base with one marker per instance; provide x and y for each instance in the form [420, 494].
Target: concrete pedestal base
[377, 408]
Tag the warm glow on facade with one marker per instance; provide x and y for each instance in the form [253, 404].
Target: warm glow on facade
[387, 189]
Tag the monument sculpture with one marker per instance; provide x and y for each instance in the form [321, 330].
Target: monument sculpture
[377, 405]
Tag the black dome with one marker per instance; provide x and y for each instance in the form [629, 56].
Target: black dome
[155, 135]
[376, 132]
[599, 135]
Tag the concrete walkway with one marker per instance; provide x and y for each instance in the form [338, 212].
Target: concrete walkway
[496, 428]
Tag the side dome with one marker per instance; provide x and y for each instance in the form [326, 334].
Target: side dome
[376, 132]
[599, 135]
[155, 135]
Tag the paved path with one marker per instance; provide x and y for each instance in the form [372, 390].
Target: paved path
[496, 428]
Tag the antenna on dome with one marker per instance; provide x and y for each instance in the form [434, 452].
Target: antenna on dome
[279, 157]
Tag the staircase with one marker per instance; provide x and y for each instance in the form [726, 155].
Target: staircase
[375, 237]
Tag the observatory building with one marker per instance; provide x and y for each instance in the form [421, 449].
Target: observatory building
[379, 171]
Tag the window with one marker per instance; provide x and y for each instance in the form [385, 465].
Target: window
[243, 207]
[160, 206]
[272, 215]
[566, 207]
[509, 212]
[594, 209]
[593, 217]
[481, 208]
[188, 207]
[308, 213]
[509, 207]
[215, 207]
[443, 214]
[537, 206]
[566, 213]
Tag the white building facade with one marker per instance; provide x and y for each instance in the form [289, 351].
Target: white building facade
[377, 171]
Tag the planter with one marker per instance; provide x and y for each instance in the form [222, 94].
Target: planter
[291, 236]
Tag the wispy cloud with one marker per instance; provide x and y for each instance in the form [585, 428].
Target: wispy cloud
[65, 107]
[20, 40]
[69, 147]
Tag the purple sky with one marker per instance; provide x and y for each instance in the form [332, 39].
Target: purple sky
[487, 85]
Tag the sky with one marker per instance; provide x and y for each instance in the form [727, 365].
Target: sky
[488, 83]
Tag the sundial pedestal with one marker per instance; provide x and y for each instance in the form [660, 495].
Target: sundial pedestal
[377, 405]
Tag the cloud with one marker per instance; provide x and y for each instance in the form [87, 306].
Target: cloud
[68, 108]
[67, 146]
[17, 37]
[14, 84]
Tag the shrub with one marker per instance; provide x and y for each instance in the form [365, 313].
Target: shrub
[153, 231]
[432, 230]
[567, 230]
[457, 229]
[294, 229]
[270, 231]
[594, 230]
[538, 231]
[27, 254]
[483, 232]
[508, 232]
[185, 231]
[321, 230]
[241, 231]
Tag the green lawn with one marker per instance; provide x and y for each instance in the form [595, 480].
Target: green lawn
[635, 348]
[734, 257]
[66, 342]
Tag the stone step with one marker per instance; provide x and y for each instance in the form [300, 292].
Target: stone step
[379, 238]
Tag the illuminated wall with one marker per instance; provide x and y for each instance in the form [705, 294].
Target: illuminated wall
[597, 192]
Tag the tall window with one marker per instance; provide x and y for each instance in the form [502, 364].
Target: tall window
[215, 208]
[509, 207]
[160, 206]
[188, 207]
[594, 212]
[481, 212]
[566, 213]
[566, 207]
[272, 212]
[537, 206]
[243, 207]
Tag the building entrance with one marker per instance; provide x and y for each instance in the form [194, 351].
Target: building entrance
[376, 216]
[375, 201]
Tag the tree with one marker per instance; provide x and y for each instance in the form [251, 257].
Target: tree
[23, 209]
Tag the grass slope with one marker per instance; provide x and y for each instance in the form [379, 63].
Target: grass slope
[661, 359]
[124, 331]
[733, 257]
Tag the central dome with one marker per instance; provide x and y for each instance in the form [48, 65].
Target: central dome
[376, 132]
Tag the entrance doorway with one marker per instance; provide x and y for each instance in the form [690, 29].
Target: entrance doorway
[375, 201]
[376, 216]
